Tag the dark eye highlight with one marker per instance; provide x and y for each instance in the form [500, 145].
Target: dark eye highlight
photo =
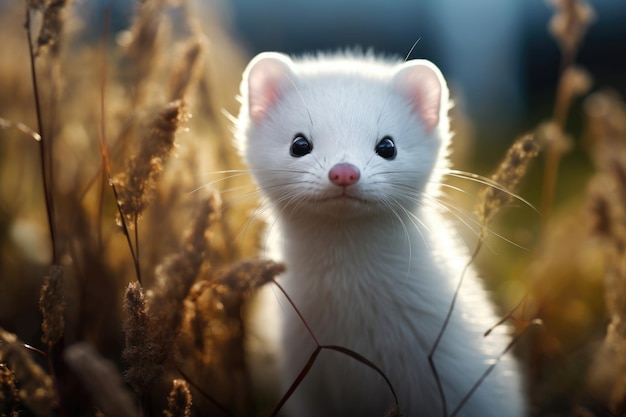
[300, 146]
[386, 148]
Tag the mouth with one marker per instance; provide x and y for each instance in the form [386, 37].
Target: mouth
[343, 197]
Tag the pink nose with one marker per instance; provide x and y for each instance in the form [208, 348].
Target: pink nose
[344, 174]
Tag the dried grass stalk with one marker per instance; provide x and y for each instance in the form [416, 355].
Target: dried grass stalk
[507, 178]
[52, 26]
[186, 73]
[52, 306]
[144, 45]
[249, 275]
[102, 380]
[9, 394]
[608, 208]
[137, 184]
[214, 331]
[138, 350]
[36, 390]
[570, 22]
[6, 124]
[220, 318]
[179, 400]
[163, 321]
[214, 305]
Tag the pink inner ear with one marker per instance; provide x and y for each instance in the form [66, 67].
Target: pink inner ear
[421, 83]
[266, 76]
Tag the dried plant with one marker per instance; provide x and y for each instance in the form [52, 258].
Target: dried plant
[607, 116]
[137, 346]
[570, 22]
[188, 70]
[52, 307]
[35, 386]
[52, 26]
[568, 27]
[179, 400]
[214, 332]
[506, 179]
[9, 394]
[138, 139]
[152, 325]
[137, 184]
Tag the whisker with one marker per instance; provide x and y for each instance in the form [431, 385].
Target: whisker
[488, 182]
[461, 215]
[406, 58]
[390, 204]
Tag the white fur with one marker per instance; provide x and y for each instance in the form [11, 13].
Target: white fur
[375, 275]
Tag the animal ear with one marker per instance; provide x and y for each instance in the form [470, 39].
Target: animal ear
[423, 84]
[263, 82]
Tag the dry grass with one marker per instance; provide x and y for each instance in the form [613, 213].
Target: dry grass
[140, 280]
[120, 163]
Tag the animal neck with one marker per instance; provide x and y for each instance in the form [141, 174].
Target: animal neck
[384, 246]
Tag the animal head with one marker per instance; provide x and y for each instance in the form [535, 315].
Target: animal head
[343, 134]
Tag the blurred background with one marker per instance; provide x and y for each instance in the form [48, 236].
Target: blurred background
[498, 56]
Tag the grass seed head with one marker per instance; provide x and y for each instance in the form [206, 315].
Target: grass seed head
[9, 394]
[507, 177]
[52, 26]
[52, 306]
[137, 184]
[36, 390]
[570, 22]
[138, 349]
[179, 400]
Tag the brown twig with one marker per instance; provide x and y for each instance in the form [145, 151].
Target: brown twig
[319, 347]
[48, 194]
[205, 394]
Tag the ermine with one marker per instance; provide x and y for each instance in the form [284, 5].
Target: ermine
[349, 151]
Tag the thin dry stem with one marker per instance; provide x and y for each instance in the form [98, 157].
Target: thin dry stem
[6, 124]
[568, 26]
[509, 174]
[44, 147]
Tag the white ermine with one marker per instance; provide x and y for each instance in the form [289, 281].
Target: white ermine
[349, 151]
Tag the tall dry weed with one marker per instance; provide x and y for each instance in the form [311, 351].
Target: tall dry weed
[607, 198]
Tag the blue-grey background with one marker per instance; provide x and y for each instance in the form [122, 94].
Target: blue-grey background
[497, 55]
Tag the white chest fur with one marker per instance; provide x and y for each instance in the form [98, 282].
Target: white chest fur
[389, 305]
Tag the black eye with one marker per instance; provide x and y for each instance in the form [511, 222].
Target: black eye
[386, 148]
[300, 146]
